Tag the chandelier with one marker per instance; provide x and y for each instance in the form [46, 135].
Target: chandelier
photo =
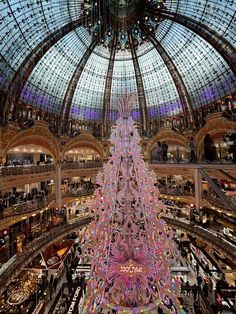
[117, 22]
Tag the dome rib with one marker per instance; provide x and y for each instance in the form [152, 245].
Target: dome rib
[40, 69]
[108, 85]
[141, 94]
[220, 44]
[176, 77]
[65, 110]
[22, 74]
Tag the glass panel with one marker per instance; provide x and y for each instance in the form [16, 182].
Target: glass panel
[87, 102]
[205, 73]
[218, 15]
[47, 85]
[123, 82]
[25, 24]
[161, 95]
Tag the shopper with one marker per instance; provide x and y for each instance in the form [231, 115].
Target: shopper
[159, 151]
[205, 289]
[62, 309]
[199, 280]
[164, 147]
[51, 291]
[187, 288]
[51, 281]
[209, 149]
[214, 308]
[55, 282]
[195, 290]
[192, 150]
[83, 284]
[230, 139]
[197, 268]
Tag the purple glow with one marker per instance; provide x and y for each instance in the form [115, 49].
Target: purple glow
[37, 98]
[85, 113]
[207, 94]
[135, 114]
[113, 115]
[165, 110]
[2, 80]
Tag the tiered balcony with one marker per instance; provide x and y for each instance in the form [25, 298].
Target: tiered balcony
[11, 270]
[37, 245]
[20, 175]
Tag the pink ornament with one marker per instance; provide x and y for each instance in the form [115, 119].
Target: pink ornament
[132, 246]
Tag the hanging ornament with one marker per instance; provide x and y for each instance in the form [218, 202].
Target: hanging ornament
[132, 247]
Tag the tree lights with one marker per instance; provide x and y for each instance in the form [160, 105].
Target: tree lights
[131, 245]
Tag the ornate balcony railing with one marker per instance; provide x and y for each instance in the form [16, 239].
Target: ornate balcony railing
[25, 170]
[84, 192]
[211, 236]
[27, 207]
[175, 191]
[37, 245]
[81, 165]
[31, 169]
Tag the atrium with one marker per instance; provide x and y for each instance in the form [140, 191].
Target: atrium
[117, 156]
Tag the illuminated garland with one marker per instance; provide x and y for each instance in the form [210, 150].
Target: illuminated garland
[132, 246]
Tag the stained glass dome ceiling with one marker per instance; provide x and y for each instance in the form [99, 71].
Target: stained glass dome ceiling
[62, 55]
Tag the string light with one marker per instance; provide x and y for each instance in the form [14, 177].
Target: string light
[131, 245]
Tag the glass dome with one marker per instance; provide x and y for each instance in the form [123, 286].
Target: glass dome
[174, 55]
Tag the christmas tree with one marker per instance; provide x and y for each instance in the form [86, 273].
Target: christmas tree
[132, 247]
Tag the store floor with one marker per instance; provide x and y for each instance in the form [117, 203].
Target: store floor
[188, 297]
[55, 293]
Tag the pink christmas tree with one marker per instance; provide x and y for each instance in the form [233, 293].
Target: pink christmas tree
[132, 247]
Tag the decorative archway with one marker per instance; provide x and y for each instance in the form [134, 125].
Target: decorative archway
[215, 124]
[166, 135]
[85, 140]
[38, 135]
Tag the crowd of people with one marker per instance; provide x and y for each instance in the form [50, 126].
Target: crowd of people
[170, 186]
[25, 162]
[11, 198]
[71, 281]
[81, 186]
[211, 152]
[162, 151]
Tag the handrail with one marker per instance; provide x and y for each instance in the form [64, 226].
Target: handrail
[174, 191]
[27, 207]
[191, 166]
[36, 246]
[25, 170]
[209, 235]
[81, 165]
[78, 193]
[31, 169]
[217, 190]
[30, 207]
[216, 202]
